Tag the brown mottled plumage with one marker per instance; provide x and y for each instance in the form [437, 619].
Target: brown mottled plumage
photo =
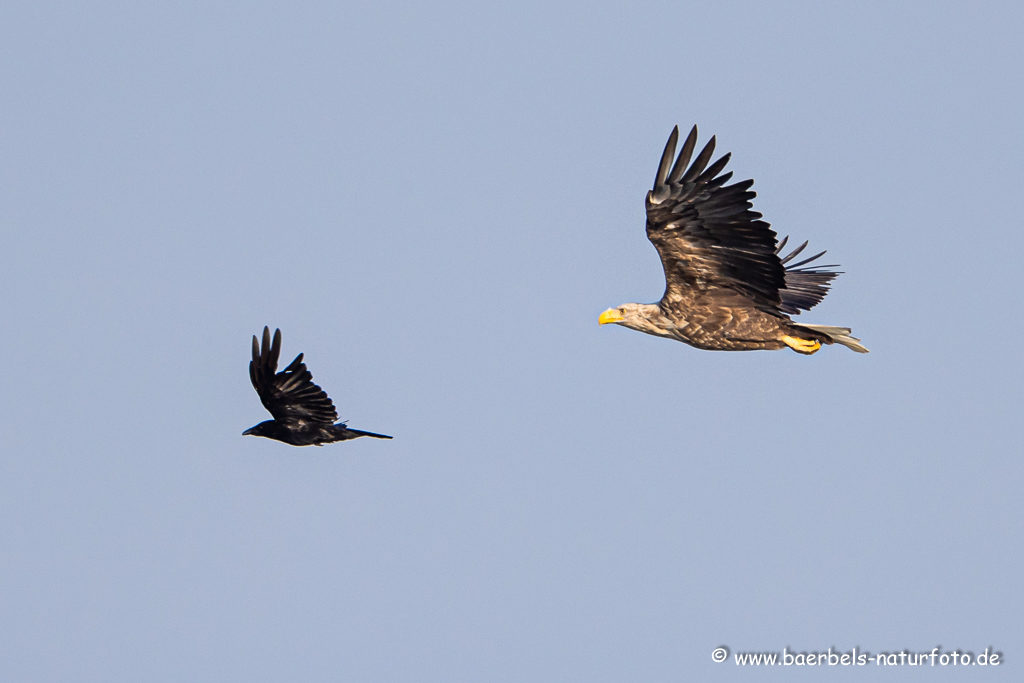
[726, 287]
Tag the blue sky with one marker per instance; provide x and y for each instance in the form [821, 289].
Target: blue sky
[434, 202]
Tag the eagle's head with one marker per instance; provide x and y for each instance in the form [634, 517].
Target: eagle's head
[642, 317]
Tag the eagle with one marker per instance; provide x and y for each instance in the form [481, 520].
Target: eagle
[303, 413]
[727, 286]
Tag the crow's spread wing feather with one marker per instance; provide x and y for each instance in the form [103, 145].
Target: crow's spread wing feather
[289, 395]
[705, 231]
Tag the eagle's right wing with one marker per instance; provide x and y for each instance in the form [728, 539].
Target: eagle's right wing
[705, 231]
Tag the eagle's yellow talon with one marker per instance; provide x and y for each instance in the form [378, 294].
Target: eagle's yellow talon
[805, 346]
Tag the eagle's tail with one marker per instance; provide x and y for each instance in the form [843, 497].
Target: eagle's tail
[840, 335]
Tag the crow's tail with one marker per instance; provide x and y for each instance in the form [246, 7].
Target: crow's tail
[353, 433]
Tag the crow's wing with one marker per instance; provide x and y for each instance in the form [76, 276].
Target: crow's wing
[289, 395]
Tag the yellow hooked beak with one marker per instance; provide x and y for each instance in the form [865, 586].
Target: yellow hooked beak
[610, 316]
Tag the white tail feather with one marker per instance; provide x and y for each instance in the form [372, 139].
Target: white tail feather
[840, 335]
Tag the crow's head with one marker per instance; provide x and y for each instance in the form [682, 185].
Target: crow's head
[262, 429]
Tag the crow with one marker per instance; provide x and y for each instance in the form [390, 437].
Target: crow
[303, 413]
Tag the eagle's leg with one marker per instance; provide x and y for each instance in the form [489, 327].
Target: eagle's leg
[805, 346]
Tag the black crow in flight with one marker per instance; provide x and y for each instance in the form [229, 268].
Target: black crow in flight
[303, 413]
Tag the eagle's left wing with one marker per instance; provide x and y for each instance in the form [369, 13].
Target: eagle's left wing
[806, 283]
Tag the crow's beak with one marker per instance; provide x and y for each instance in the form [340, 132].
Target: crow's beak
[247, 432]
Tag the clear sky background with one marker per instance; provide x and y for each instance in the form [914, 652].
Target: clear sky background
[434, 202]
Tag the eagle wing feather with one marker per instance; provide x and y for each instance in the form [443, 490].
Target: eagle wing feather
[705, 231]
[708, 237]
